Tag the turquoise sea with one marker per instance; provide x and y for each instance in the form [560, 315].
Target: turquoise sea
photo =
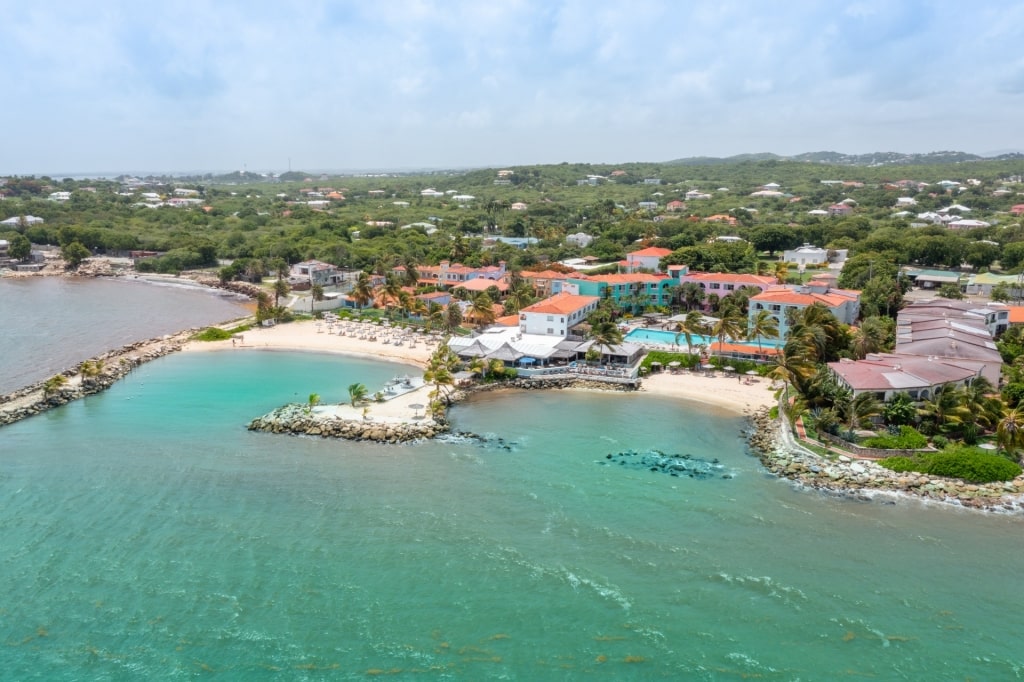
[146, 534]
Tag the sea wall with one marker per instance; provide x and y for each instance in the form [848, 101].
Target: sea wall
[298, 420]
[34, 399]
[772, 441]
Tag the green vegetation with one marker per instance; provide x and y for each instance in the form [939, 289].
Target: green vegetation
[213, 334]
[907, 438]
[967, 463]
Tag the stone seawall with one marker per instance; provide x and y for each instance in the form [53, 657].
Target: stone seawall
[298, 420]
[34, 399]
[866, 480]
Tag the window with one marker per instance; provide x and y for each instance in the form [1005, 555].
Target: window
[550, 330]
[551, 318]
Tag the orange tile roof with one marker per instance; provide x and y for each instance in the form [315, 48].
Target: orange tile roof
[482, 284]
[761, 280]
[507, 321]
[561, 304]
[1016, 314]
[787, 296]
[544, 274]
[651, 251]
[748, 348]
[624, 278]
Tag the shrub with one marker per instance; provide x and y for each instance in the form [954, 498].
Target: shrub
[973, 465]
[970, 464]
[213, 334]
[940, 442]
[907, 438]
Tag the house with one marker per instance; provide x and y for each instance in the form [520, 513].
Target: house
[695, 194]
[518, 206]
[782, 302]
[931, 279]
[1017, 209]
[967, 224]
[808, 254]
[722, 218]
[652, 181]
[903, 202]
[648, 205]
[580, 239]
[313, 272]
[724, 283]
[675, 206]
[22, 220]
[556, 315]
[981, 284]
[646, 259]
[60, 196]
[840, 210]
[5, 247]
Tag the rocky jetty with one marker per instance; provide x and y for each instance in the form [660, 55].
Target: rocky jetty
[299, 420]
[113, 365]
[657, 461]
[865, 480]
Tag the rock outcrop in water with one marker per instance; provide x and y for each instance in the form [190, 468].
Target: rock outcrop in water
[674, 465]
[867, 480]
[298, 420]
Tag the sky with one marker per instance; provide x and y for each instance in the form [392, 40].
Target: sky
[111, 86]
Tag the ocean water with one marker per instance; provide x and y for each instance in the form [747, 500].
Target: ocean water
[146, 534]
[48, 324]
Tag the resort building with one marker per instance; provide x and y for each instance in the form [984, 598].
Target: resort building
[724, 283]
[993, 317]
[449, 274]
[556, 315]
[782, 302]
[546, 282]
[885, 374]
[630, 292]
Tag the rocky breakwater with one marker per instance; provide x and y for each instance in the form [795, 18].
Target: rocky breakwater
[299, 420]
[866, 480]
[88, 378]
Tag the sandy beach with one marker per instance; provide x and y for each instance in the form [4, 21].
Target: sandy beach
[725, 392]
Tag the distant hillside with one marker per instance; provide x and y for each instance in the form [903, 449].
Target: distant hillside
[839, 159]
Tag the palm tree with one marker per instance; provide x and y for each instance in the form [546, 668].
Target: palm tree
[870, 337]
[357, 393]
[481, 308]
[691, 294]
[519, 296]
[728, 326]
[264, 310]
[281, 288]
[362, 292]
[858, 411]
[452, 317]
[945, 409]
[317, 294]
[1010, 431]
[605, 334]
[54, 384]
[693, 324]
[89, 370]
[434, 314]
[762, 326]
[391, 291]
[314, 400]
[412, 275]
[781, 272]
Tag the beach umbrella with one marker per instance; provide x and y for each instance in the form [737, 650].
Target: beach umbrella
[417, 407]
[751, 373]
[674, 363]
[729, 368]
[707, 365]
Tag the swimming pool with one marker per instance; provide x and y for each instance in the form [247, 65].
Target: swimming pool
[666, 337]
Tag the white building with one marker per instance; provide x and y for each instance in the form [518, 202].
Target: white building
[556, 315]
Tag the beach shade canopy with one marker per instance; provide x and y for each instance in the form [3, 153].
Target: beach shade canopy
[751, 373]
[417, 407]
[729, 368]
[674, 363]
[527, 361]
[707, 365]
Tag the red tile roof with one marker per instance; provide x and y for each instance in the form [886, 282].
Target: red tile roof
[651, 251]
